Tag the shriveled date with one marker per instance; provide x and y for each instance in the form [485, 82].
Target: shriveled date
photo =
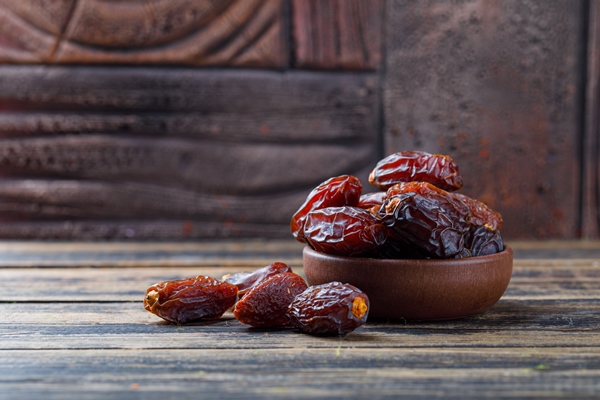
[344, 190]
[428, 218]
[266, 304]
[407, 166]
[344, 231]
[188, 300]
[329, 309]
[247, 280]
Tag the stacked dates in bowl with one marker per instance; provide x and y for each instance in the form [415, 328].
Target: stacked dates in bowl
[417, 214]
[417, 248]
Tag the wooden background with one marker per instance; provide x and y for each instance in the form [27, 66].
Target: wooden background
[194, 119]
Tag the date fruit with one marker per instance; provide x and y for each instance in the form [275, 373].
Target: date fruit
[482, 241]
[481, 214]
[430, 219]
[344, 231]
[188, 300]
[408, 166]
[370, 200]
[247, 280]
[329, 309]
[344, 190]
[266, 304]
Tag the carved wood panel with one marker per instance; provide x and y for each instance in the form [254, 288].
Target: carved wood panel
[247, 33]
[95, 152]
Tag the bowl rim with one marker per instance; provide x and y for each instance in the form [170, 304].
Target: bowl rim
[433, 262]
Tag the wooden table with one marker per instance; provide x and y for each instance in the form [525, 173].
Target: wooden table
[72, 326]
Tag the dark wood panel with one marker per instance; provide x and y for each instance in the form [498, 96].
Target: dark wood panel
[496, 85]
[132, 229]
[337, 34]
[200, 166]
[242, 93]
[105, 153]
[591, 141]
[216, 33]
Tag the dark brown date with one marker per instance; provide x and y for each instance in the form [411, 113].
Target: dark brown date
[483, 241]
[344, 231]
[192, 299]
[246, 280]
[339, 191]
[408, 166]
[430, 219]
[329, 309]
[266, 304]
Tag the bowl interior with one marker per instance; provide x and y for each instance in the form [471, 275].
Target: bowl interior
[417, 289]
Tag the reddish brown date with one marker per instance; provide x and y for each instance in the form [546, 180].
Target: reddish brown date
[247, 280]
[330, 309]
[344, 231]
[408, 166]
[481, 214]
[370, 200]
[266, 304]
[339, 191]
[430, 219]
[192, 299]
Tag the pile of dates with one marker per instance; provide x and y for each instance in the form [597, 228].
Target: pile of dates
[269, 297]
[417, 213]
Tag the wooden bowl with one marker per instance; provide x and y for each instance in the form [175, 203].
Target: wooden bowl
[418, 290]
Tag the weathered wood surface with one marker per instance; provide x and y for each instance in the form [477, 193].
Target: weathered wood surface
[76, 329]
[496, 85]
[591, 138]
[95, 153]
[248, 33]
[337, 34]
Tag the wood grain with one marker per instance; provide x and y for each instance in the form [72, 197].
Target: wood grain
[81, 332]
[84, 149]
[247, 33]
[496, 85]
[345, 374]
[337, 34]
[591, 138]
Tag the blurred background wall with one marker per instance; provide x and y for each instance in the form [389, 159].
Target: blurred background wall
[160, 119]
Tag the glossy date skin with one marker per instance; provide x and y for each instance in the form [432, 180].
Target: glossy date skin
[344, 231]
[329, 309]
[428, 219]
[408, 166]
[188, 300]
[266, 304]
[483, 241]
[370, 200]
[247, 280]
[481, 214]
[344, 190]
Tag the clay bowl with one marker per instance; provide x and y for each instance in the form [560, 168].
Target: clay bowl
[418, 290]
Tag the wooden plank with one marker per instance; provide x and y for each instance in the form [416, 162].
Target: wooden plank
[496, 86]
[591, 137]
[337, 34]
[136, 272]
[244, 253]
[348, 373]
[555, 317]
[249, 33]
